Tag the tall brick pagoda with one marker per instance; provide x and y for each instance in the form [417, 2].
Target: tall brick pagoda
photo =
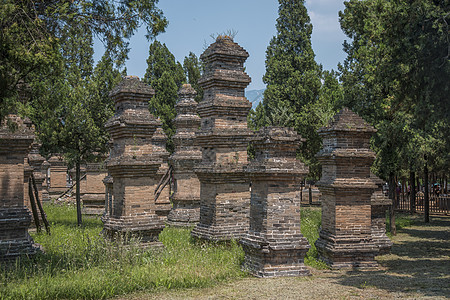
[224, 194]
[274, 245]
[94, 190]
[186, 196]
[345, 239]
[133, 165]
[15, 218]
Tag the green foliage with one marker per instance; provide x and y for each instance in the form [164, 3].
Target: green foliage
[310, 224]
[295, 95]
[192, 69]
[165, 76]
[396, 77]
[33, 32]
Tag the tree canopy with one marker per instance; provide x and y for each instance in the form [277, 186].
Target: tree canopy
[33, 32]
[396, 75]
[165, 75]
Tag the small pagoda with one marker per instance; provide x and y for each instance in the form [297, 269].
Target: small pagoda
[186, 196]
[345, 239]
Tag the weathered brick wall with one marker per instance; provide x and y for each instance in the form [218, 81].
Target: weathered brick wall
[345, 239]
[14, 216]
[223, 137]
[186, 196]
[274, 245]
[94, 190]
[133, 165]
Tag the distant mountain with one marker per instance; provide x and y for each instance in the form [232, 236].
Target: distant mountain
[255, 96]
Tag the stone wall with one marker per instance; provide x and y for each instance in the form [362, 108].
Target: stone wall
[223, 137]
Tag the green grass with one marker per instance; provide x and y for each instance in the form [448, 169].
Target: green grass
[79, 263]
[311, 219]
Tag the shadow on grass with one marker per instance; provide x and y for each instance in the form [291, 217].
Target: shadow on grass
[419, 262]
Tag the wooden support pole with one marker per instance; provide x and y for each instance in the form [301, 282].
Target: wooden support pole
[41, 209]
[33, 206]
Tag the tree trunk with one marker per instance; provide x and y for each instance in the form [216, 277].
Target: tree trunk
[310, 194]
[38, 202]
[392, 192]
[301, 191]
[78, 198]
[33, 206]
[412, 192]
[445, 184]
[427, 195]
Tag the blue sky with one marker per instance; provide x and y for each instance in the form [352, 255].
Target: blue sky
[191, 23]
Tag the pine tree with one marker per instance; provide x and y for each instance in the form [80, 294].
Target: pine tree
[292, 75]
[165, 76]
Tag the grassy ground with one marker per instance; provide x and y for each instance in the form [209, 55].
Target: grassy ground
[418, 268]
[79, 264]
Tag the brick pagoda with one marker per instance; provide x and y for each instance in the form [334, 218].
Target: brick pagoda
[345, 239]
[133, 165]
[274, 245]
[94, 190]
[186, 196]
[224, 192]
[15, 218]
[58, 176]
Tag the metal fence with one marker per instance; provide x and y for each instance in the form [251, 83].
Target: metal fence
[438, 205]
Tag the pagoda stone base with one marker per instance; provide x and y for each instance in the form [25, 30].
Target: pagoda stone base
[144, 228]
[341, 252]
[263, 260]
[219, 233]
[14, 237]
[184, 213]
[379, 236]
[93, 204]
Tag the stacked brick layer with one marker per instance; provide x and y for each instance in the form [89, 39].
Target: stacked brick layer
[345, 239]
[274, 245]
[223, 137]
[186, 196]
[14, 216]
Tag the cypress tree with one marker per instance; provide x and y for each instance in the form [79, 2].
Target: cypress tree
[292, 75]
[165, 75]
[192, 69]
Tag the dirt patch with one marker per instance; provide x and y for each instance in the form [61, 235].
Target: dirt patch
[417, 268]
